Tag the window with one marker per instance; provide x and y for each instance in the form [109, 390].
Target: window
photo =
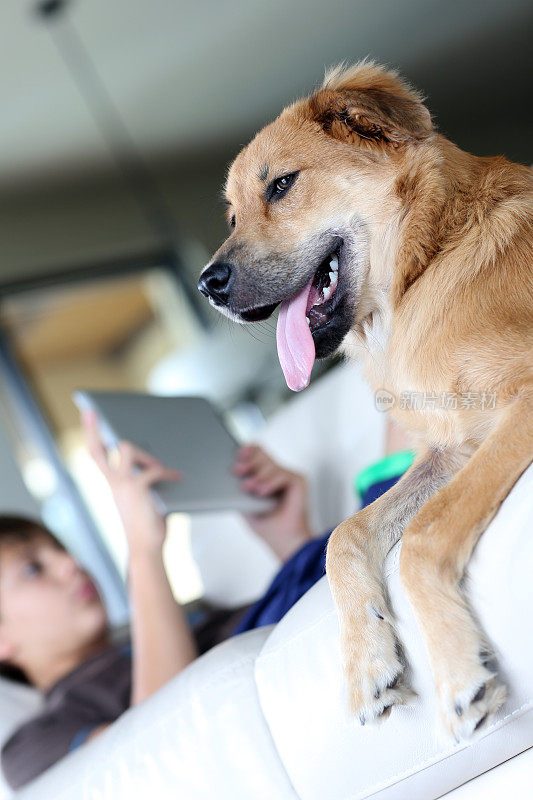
[109, 332]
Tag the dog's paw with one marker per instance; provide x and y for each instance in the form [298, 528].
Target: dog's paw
[375, 669]
[467, 710]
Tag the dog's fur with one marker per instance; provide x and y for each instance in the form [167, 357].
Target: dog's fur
[437, 288]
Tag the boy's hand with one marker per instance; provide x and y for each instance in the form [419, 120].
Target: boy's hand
[130, 476]
[286, 527]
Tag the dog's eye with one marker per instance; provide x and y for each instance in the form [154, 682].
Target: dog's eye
[282, 183]
[277, 188]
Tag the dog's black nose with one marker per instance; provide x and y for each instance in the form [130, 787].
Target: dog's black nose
[215, 282]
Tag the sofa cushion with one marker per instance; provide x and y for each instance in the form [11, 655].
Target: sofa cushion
[201, 736]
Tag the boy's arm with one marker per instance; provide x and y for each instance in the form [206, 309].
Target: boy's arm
[162, 644]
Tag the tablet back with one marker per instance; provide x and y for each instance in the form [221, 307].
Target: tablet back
[185, 433]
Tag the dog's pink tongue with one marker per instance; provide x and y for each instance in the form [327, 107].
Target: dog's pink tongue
[296, 348]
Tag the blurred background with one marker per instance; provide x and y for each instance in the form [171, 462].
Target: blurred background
[119, 120]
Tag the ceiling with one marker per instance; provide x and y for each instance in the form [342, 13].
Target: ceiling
[187, 77]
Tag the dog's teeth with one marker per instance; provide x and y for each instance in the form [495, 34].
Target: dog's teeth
[334, 263]
[326, 292]
[308, 321]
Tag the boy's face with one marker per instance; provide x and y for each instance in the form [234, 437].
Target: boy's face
[49, 607]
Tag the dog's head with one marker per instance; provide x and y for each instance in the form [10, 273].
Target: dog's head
[303, 200]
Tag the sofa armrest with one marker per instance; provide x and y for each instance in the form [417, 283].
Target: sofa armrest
[325, 750]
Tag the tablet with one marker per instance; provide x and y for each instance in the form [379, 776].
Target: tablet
[185, 433]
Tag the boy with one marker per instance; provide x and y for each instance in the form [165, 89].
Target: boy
[53, 625]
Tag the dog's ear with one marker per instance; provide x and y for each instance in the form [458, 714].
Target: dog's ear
[368, 104]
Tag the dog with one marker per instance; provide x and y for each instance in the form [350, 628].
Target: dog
[377, 235]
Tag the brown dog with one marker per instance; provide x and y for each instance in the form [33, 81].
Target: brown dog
[375, 232]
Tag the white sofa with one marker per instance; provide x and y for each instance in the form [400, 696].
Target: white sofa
[264, 714]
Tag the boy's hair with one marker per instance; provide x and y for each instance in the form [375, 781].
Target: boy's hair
[13, 530]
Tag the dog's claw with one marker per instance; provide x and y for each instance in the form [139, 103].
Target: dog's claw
[376, 679]
[473, 708]
[479, 695]
[480, 722]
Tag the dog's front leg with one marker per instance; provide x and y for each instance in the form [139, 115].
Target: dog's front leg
[372, 655]
[436, 548]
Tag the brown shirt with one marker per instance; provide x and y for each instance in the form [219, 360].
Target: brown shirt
[96, 692]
